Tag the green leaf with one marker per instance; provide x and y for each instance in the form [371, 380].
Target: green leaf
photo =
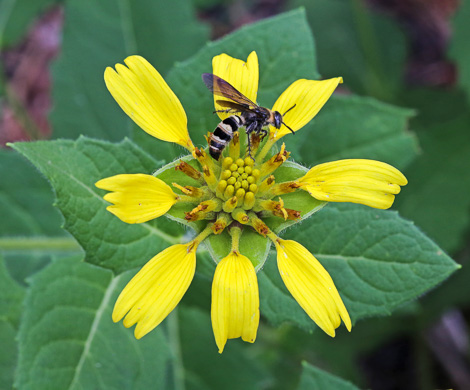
[354, 127]
[459, 45]
[238, 367]
[100, 34]
[439, 183]
[377, 260]
[11, 299]
[16, 16]
[25, 200]
[315, 379]
[72, 168]
[67, 328]
[282, 60]
[30, 232]
[367, 48]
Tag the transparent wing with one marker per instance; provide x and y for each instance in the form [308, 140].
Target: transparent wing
[220, 87]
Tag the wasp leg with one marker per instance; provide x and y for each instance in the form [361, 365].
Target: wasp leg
[263, 133]
[226, 111]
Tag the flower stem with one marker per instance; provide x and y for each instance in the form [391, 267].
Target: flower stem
[175, 345]
[39, 243]
[235, 232]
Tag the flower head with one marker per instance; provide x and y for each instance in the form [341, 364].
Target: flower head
[238, 203]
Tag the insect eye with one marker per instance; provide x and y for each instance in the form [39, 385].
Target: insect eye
[277, 120]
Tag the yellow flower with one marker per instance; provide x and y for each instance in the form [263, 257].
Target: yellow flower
[306, 96]
[148, 100]
[156, 289]
[235, 300]
[137, 198]
[311, 286]
[368, 182]
[233, 194]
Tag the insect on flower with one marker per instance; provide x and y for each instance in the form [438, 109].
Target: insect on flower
[252, 116]
[238, 205]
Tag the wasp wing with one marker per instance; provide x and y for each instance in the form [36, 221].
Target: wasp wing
[235, 107]
[222, 88]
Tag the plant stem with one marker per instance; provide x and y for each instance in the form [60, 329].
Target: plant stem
[39, 244]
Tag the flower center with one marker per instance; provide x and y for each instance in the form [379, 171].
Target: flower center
[237, 190]
[238, 178]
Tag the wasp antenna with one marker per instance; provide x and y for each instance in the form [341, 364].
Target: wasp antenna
[292, 131]
[289, 110]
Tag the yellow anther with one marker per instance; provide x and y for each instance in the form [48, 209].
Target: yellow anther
[266, 184]
[240, 216]
[229, 191]
[240, 162]
[226, 174]
[244, 176]
[258, 224]
[221, 188]
[228, 161]
[249, 200]
[253, 188]
[209, 177]
[250, 179]
[222, 221]
[231, 181]
[248, 169]
[240, 193]
[189, 170]
[241, 170]
[237, 185]
[249, 161]
[235, 174]
[245, 184]
[230, 204]
[233, 167]
[256, 173]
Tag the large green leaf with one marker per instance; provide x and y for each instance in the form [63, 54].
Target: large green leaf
[11, 299]
[366, 48]
[99, 34]
[68, 340]
[377, 260]
[30, 230]
[72, 168]
[315, 379]
[438, 178]
[16, 16]
[239, 367]
[354, 127]
[437, 196]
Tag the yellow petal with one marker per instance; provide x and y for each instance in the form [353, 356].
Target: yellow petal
[235, 300]
[156, 289]
[242, 75]
[308, 96]
[148, 100]
[137, 198]
[369, 182]
[311, 286]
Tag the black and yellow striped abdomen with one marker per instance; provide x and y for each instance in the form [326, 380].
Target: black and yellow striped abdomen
[223, 134]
